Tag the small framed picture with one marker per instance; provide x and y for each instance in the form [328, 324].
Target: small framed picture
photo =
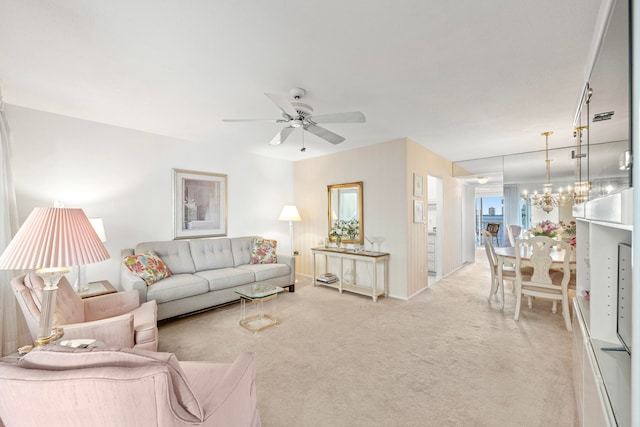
[199, 204]
[417, 185]
[418, 211]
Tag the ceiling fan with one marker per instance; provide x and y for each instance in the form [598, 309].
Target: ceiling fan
[296, 114]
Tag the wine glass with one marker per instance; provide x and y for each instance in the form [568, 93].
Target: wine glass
[371, 240]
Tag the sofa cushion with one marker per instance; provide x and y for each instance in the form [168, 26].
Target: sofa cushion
[148, 266]
[266, 271]
[241, 248]
[176, 287]
[176, 254]
[209, 254]
[264, 251]
[223, 278]
[61, 358]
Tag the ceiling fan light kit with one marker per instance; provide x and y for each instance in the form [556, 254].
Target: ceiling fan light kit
[296, 114]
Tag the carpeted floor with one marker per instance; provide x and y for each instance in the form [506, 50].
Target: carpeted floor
[447, 357]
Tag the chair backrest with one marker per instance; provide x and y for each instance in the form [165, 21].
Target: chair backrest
[29, 293]
[513, 232]
[493, 228]
[538, 256]
[101, 387]
[490, 250]
[137, 383]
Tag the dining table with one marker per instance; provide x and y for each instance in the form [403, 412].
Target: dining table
[508, 255]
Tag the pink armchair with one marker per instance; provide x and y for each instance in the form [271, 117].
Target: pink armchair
[62, 386]
[115, 319]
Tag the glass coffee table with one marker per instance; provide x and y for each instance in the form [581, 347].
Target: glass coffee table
[258, 295]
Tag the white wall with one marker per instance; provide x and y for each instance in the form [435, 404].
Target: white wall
[125, 177]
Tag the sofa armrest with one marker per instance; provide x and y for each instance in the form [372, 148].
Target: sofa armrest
[291, 262]
[110, 305]
[130, 281]
[117, 331]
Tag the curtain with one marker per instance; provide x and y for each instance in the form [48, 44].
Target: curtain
[511, 209]
[13, 328]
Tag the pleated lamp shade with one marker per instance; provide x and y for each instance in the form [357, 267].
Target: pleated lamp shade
[54, 237]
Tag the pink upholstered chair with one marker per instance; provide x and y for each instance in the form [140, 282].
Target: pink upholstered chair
[63, 386]
[115, 319]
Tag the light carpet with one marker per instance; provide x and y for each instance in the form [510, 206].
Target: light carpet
[447, 357]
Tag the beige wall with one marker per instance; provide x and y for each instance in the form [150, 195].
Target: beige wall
[381, 168]
[386, 170]
[424, 162]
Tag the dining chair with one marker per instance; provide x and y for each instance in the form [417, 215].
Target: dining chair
[547, 280]
[493, 228]
[513, 233]
[508, 270]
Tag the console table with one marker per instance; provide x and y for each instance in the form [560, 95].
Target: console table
[378, 261]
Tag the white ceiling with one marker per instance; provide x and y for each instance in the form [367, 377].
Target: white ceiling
[466, 79]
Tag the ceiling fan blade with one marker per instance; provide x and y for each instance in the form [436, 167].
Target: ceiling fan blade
[254, 120]
[283, 103]
[351, 117]
[282, 135]
[323, 133]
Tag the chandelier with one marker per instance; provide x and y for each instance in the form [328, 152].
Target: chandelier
[582, 188]
[547, 200]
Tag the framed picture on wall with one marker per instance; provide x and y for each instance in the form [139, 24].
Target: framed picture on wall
[199, 204]
[418, 211]
[418, 184]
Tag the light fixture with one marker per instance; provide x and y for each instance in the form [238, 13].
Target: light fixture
[290, 213]
[547, 200]
[81, 284]
[581, 190]
[482, 180]
[50, 241]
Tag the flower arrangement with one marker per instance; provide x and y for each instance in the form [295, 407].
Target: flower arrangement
[546, 228]
[345, 229]
[568, 229]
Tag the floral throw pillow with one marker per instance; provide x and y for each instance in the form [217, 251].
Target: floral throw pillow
[264, 251]
[148, 266]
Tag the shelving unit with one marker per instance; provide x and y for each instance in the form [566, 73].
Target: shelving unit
[603, 378]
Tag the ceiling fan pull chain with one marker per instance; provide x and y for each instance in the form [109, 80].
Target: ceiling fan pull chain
[303, 149]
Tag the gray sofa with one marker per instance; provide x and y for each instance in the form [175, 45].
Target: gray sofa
[206, 273]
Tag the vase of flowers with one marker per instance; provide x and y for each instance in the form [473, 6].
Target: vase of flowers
[568, 230]
[344, 229]
[546, 228]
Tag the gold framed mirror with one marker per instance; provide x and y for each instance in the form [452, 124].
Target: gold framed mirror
[346, 212]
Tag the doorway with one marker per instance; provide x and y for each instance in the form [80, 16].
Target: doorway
[434, 229]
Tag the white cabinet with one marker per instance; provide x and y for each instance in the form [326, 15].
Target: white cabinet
[591, 394]
[602, 378]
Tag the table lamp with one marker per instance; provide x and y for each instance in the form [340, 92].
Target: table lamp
[50, 241]
[290, 213]
[81, 284]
